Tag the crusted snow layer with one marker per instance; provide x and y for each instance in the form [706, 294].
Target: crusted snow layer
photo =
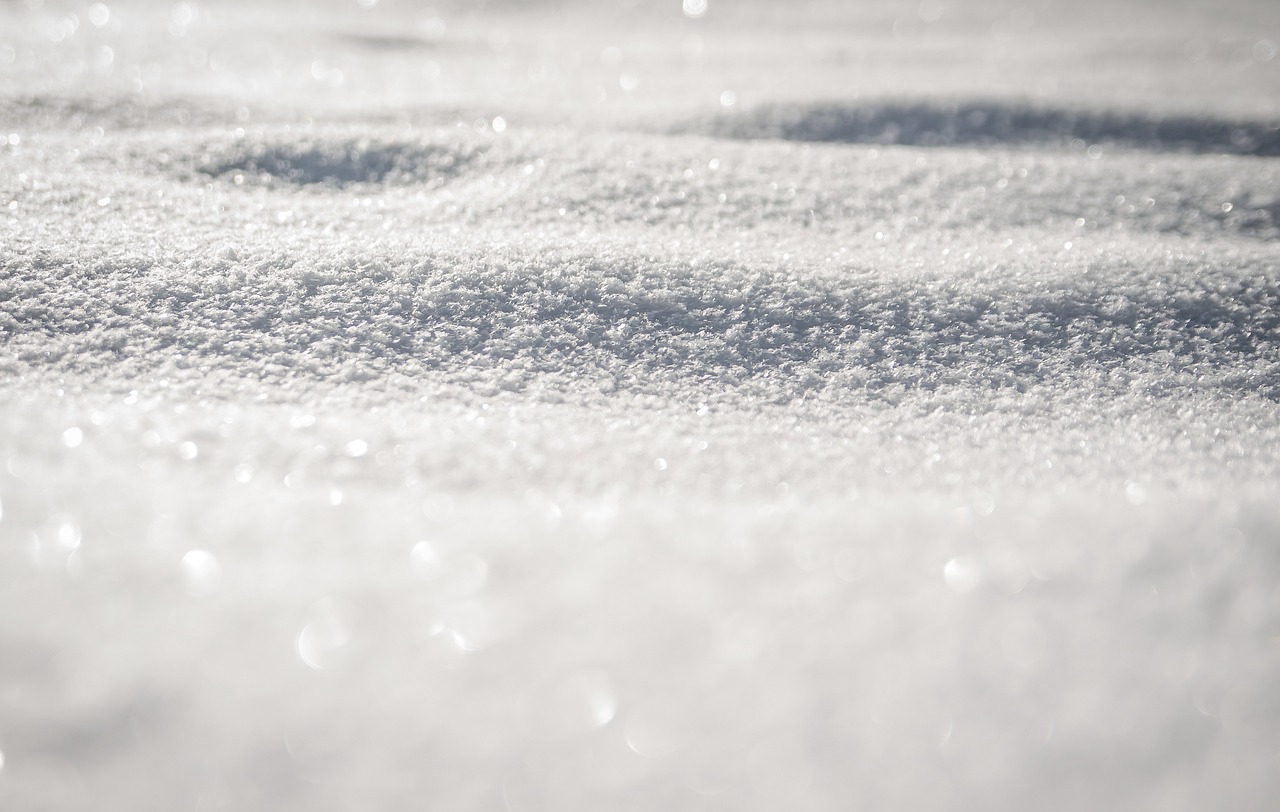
[487, 412]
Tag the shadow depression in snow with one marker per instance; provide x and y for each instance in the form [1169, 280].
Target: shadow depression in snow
[930, 124]
[344, 162]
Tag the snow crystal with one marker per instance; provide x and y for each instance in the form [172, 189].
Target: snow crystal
[201, 572]
[962, 574]
[694, 8]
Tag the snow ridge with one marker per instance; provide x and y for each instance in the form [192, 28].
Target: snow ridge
[630, 318]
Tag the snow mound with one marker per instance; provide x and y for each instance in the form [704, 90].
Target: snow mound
[979, 123]
[636, 320]
[344, 162]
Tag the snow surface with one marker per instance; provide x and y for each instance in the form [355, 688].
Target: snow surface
[631, 405]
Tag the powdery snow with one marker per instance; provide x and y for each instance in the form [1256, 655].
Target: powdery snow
[574, 407]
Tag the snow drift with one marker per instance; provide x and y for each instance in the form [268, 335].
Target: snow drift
[703, 406]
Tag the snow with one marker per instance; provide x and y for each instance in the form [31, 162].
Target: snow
[639, 405]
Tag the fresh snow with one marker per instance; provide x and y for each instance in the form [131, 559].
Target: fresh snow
[637, 405]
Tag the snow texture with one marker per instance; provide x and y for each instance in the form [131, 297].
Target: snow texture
[566, 406]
